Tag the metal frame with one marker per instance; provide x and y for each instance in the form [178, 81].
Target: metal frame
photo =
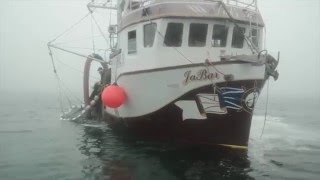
[253, 5]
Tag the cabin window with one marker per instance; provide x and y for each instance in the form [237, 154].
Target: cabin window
[255, 37]
[132, 42]
[149, 34]
[238, 37]
[173, 37]
[198, 35]
[134, 4]
[219, 35]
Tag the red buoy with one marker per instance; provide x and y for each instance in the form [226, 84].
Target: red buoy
[113, 96]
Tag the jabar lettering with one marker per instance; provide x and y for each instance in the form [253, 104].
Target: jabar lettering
[201, 75]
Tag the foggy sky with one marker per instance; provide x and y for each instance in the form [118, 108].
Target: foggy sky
[27, 25]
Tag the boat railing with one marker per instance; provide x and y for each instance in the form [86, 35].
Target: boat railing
[246, 4]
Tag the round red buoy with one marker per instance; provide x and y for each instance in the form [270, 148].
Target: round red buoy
[113, 96]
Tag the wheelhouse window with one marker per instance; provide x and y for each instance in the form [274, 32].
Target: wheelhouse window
[173, 37]
[134, 4]
[238, 37]
[219, 35]
[198, 34]
[149, 34]
[255, 37]
[132, 42]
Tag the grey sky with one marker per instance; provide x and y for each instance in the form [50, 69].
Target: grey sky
[27, 25]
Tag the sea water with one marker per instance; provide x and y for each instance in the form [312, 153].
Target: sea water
[36, 144]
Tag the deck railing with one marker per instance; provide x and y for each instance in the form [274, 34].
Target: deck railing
[247, 4]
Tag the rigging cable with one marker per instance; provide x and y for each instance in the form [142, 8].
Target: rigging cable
[79, 39]
[81, 48]
[162, 36]
[248, 41]
[66, 89]
[110, 38]
[56, 75]
[62, 87]
[63, 92]
[266, 108]
[265, 38]
[99, 28]
[93, 43]
[214, 67]
[60, 97]
[75, 69]
[250, 4]
[265, 115]
[71, 27]
[207, 62]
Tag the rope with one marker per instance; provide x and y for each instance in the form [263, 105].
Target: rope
[60, 97]
[66, 87]
[213, 66]
[214, 86]
[74, 69]
[70, 92]
[58, 82]
[55, 72]
[161, 35]
[79, 39]
[62, 88]
[110, 33]
[83, 48]
[93, 44]
[100, 30]
[53, 65]
[265, 38]
[61, 85]
[265, 115]
[179, 52]
[248, 41]
[63, 91]
[250, 4]
[71, 27]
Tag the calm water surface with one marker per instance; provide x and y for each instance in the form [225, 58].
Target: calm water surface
[35, 144]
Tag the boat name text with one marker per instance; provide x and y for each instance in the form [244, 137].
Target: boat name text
[201, 75]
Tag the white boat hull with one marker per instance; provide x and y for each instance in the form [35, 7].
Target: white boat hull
[150, 90]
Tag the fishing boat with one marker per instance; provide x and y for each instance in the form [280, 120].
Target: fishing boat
[182, 71]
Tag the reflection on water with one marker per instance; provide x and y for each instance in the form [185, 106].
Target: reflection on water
[120, 158]
[35, 145]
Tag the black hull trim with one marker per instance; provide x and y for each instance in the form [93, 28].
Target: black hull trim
[231, 128]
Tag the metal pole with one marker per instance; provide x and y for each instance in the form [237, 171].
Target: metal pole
[75, 53]
[256, 3]
[91, 5]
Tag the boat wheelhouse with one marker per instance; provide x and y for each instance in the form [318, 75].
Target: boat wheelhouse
[164, 33]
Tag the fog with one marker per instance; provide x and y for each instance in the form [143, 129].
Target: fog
[27, 25]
